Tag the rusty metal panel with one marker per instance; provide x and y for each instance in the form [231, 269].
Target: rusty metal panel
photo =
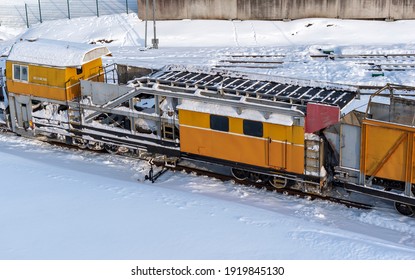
[320, 116]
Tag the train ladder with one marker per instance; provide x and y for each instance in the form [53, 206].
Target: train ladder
[312, 157]
[169, 128]
[168, 131]
[312, 160]
[74, 115]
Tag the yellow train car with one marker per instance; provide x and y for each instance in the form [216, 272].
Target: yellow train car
[248, 138]
[388, 151]
[377, 148]
[52, 69]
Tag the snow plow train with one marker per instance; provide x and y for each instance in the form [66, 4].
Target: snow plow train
[289, 133]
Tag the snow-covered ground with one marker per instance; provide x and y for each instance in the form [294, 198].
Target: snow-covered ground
[57, 203]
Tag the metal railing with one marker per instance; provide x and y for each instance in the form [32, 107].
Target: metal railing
[44, 10]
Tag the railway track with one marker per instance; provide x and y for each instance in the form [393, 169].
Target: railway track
[260, 61]
[374, 62]
[153, 176]
[262, 185]
[371, 62]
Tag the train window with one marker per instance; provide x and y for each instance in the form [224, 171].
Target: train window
[16, 72]
[20, 72]
[253, 128]
[220, 123]
[24, 76]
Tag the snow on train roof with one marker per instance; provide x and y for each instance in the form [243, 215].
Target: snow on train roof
[55, 53]
[248, 114]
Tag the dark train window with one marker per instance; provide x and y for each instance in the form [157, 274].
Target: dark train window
[24, 74]
[220, 123]
[20, 72]
[253, 128]
[16, 72]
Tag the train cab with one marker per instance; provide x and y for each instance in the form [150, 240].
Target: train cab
[42, 70]
[52, 69]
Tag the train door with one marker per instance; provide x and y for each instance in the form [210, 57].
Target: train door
[277, 154]
[349, 150]
[285, 148]
[350, 146]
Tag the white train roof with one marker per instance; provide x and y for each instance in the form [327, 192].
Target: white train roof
[249, 114]
[55, 53]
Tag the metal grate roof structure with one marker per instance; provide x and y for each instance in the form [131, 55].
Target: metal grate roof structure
[261, 89]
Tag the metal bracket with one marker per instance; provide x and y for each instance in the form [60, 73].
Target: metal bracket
[151, 176]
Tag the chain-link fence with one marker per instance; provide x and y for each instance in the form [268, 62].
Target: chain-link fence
[43, 10]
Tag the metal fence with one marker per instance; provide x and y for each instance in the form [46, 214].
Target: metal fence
[43, 10]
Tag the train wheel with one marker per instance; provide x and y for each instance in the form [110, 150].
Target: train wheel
[3, 129]
[112, 149]
[278, 182]
[81, 143]
[257, 177]
[95, 146]
[124, 150]
[405, 209]
[239, 174]
[253, 177]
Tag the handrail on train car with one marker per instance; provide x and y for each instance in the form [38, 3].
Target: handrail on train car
[379, 91]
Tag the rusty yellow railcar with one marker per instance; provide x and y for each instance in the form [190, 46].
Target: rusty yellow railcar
[381, 161]
[388, 151]
[52, 69]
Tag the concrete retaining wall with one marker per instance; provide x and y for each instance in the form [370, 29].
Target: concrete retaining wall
[279, 9]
